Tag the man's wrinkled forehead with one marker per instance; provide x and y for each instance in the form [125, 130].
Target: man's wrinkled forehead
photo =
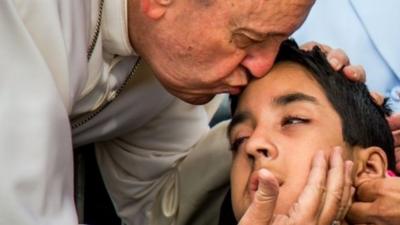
[272, 16]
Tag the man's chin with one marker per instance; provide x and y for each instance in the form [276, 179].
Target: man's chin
[196, 100]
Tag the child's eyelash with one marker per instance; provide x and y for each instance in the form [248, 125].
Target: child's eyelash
[236, 143]
[289, 120]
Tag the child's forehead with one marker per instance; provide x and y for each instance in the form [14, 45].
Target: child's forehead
[288, 86]
[284, 77]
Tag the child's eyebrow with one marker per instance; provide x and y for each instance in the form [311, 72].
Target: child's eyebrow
[282, 100]
[286, 99]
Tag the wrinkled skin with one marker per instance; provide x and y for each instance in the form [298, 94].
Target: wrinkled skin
[198, 50]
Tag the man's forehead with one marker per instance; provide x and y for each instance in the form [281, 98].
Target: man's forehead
[273, 16]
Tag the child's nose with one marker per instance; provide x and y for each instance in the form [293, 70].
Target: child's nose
[260, 148]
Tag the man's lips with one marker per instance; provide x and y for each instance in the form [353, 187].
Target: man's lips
[235, 90]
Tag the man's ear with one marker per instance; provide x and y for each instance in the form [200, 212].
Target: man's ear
[370, 163]
[155, 9]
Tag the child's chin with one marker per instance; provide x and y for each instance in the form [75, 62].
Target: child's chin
[240, 210]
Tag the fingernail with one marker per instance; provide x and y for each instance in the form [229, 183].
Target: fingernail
[334, 63]
[355, 76]
[338, 150]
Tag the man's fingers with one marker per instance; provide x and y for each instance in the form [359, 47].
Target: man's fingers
[350, 202]
[335, 188]
[355, 73]
[378, 98]
[260, 211]
[348, 192]
[368, 191]
[337, 58]
[396, 138]
[379, 202]
[359, 213]
[397, 154]
[394, 121]
[308, 46]
[335, 183]
[309, 204]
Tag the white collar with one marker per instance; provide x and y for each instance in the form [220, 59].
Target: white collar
[115, 28]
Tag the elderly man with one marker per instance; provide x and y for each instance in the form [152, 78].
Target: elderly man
[89, 65]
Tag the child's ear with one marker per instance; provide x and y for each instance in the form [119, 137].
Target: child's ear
[370, 163]
[155, 9]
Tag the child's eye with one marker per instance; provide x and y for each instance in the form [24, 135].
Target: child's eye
[237, 143]
[292, 120]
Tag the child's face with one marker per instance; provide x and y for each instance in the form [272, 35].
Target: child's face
[283, 120]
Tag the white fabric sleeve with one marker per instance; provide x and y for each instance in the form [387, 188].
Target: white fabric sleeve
[202, 179]
[36, 160]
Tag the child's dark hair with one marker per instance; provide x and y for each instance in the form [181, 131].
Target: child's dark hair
[363, 121]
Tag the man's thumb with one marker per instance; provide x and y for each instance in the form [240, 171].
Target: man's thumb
[261, 209]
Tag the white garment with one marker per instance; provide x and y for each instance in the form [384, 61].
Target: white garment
[46, 80]
[143, 147]
[38, 82]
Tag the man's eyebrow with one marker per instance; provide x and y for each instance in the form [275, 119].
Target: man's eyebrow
[294, 97]
[237, 119]
[261, 35]
[277, 34]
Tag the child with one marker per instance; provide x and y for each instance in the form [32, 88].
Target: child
[302, 106]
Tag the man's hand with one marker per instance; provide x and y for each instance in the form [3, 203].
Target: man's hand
[378, 202]
[326, 197]
[261, 210]
[338, 60]
[394, 122]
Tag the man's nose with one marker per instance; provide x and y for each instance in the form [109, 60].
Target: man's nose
[237, 78]
[259, 60]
